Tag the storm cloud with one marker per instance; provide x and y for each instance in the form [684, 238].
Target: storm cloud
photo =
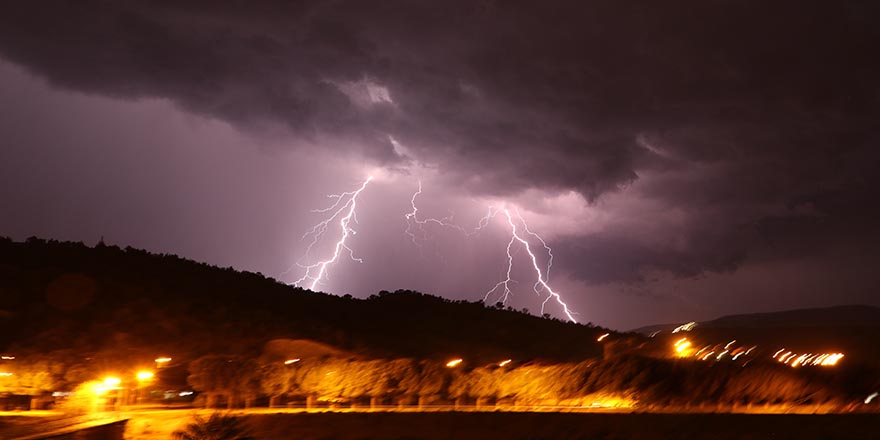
[710, 132]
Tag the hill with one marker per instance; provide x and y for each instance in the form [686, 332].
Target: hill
[68, 296]
[839, 316]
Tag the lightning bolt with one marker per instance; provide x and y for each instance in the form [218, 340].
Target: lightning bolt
[541, 284]
[413, 224]
[344, 209]
[502, 288]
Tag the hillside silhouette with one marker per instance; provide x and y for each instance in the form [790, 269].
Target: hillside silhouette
[68, 296]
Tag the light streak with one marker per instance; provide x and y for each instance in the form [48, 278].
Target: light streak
[344, 209]
[795, 360]
[685, 327]
[291, 361]
[871, 397]
[601, 338]
[505, 362]
[454, 363]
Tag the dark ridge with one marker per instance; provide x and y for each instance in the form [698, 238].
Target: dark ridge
[68, 296]
[847, 316]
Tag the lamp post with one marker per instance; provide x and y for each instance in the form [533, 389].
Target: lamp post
[142, 377]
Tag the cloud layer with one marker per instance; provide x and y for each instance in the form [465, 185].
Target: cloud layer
[707, 132]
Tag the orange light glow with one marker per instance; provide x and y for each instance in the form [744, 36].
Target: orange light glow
[683, 347]
[796, 360]
[454, 363]
[502, 363]
[291, 361]
[144, 375]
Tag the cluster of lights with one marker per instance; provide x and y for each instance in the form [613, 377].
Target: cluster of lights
[458, 361]
[795, 360]
[684, 348]
[108, 384]
[685, 327]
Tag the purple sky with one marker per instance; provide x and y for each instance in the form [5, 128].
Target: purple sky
[683, 163]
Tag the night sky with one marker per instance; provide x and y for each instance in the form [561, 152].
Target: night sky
[683, 159]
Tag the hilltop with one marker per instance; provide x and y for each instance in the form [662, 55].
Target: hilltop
[69, 296]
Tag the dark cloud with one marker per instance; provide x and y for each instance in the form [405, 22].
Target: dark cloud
[755, 120]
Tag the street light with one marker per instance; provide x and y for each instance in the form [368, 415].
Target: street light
[162, 361]
[454, 363]
[142, 376]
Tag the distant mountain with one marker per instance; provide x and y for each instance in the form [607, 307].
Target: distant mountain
[838, 316]
[67, 296]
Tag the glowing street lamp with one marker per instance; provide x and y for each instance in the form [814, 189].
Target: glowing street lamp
[162, 361]
[454, 363]
[142, 376]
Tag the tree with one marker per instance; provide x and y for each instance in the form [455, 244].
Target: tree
[232, 377]
[275, 380]
[216, 427]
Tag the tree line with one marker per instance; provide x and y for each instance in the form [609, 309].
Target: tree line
[618, 381]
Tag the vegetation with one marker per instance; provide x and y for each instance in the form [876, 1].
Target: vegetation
[70, 313]
[122, 303]
[216, 427]
[618, 381]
